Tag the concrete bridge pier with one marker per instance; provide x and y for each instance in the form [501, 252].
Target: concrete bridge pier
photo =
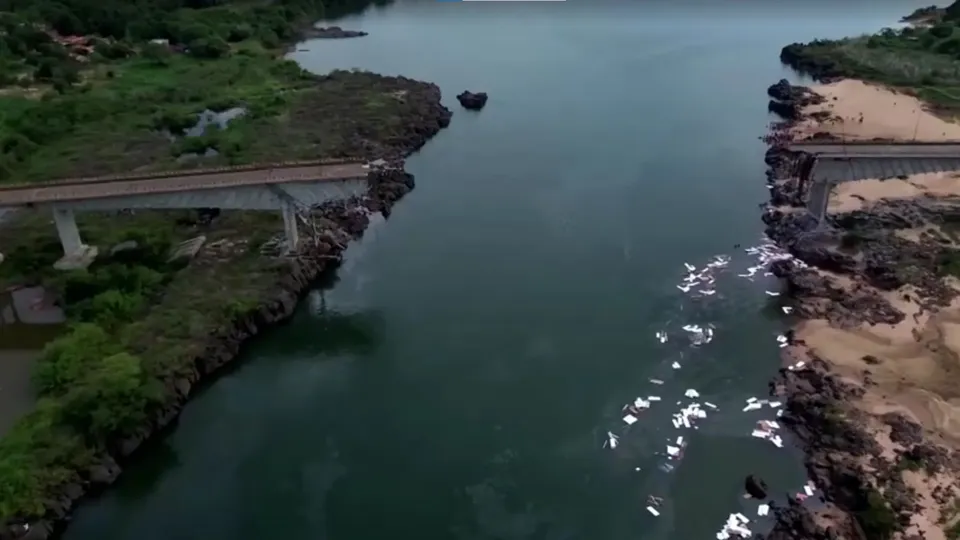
[289, 212]
[76, 254]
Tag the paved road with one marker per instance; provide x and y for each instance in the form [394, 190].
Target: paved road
[190, 180]
[880, 150]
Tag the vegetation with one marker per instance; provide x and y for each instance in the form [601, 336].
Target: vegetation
[148, 68]
[134, 328]
[876, 518]
[137, 321]
[923, 59]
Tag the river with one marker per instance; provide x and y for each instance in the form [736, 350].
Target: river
[458, 381]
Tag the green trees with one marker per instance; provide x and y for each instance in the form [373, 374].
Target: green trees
[112, 399]
[952, 12]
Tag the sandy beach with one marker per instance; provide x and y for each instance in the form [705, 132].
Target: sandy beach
[912, 367]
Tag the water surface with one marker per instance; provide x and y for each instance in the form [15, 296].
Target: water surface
[459, 380]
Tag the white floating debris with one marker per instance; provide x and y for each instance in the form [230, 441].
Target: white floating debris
[752, 407]
[680, 440]
[771, 293]
[808, 490]
[630, 419]
[798, 365]
[673, 450]
[690, 267]
[653, 398]
[691, 393]
[653, 511]
[656, 381]
[735, 527]
[763, 509]
[686, 414]
[766, 429]
[675, 365]
[774, 404]
[781, 338]
[612, 440]
[662, 336]
[708, 404]
[787, 309]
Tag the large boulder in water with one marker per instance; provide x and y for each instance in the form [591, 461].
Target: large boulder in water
[472, 101]
[756, 487]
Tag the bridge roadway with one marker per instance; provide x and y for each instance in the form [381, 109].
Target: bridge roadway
[845, 161]
[879, 149]
[179, 182]
[281, 186]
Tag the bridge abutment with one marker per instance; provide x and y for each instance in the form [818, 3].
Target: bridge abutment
[76, 254]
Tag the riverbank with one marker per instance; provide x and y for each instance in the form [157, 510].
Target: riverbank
[147, 328]
[227, 294]
[875, 297]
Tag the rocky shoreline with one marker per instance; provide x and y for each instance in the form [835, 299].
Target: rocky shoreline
[864, 492]
[388, 183]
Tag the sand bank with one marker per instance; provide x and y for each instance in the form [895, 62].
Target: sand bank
[912, 367]
[863, 111]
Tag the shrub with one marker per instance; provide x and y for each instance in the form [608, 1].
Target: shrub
[111, 400]
[942, 30]
[69, 358]
[212, 47]
[877, 519]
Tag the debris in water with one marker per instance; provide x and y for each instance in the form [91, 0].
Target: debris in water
[612, 440]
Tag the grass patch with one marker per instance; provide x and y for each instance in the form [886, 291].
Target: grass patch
[923, 60]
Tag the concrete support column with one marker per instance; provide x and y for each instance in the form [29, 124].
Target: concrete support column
[67, 229]
[290, 225]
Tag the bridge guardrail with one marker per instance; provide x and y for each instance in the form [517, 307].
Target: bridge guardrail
[200, 171]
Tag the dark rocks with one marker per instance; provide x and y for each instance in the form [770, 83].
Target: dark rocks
[755, 487]
[472, 101]
[871, 359]
[789, 100]
[903, 430]
[864, 244]
[796, 522]
[804, 58]
[333, 32]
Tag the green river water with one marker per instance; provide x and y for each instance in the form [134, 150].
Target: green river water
[458, 381]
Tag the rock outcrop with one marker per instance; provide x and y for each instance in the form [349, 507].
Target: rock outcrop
[472, 101]
[840, 456]
[333, 32]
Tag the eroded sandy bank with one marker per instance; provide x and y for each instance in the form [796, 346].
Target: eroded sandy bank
[879, 321]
